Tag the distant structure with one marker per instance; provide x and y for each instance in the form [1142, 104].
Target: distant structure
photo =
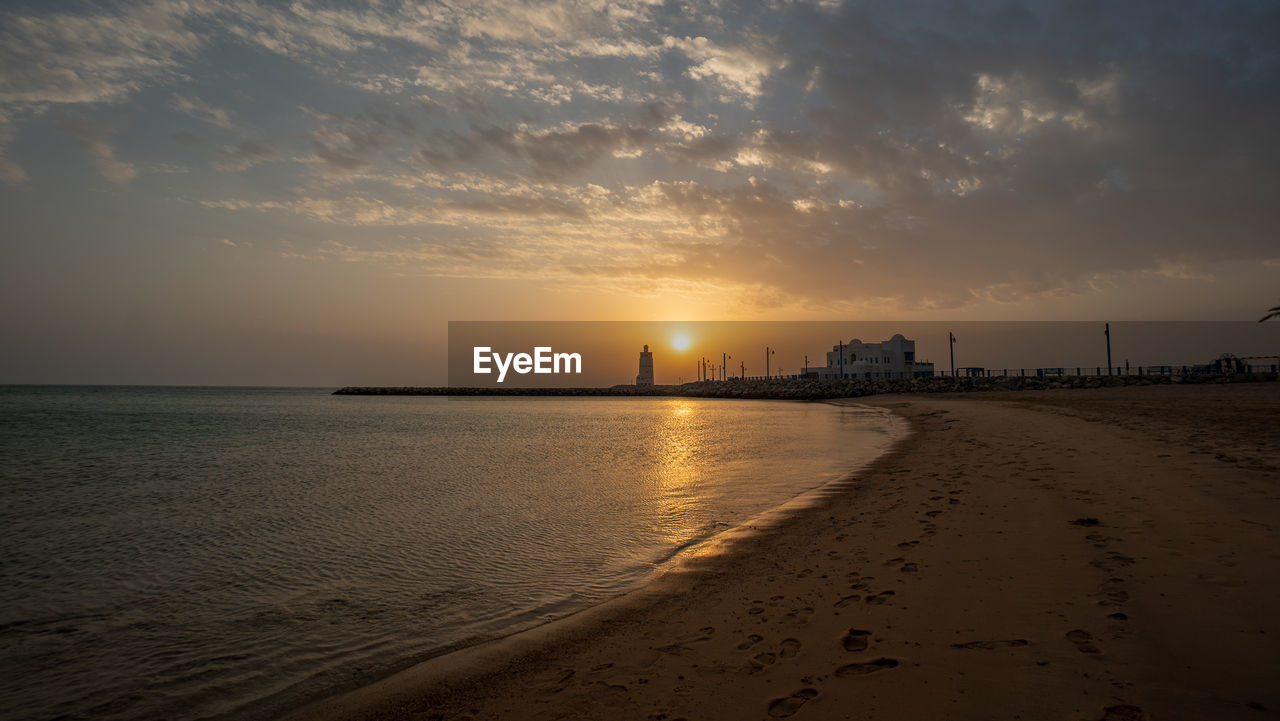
[646, 368]
[894, 358]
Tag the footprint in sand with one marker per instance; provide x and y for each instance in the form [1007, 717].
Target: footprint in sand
[866, 667]
[848, 600]
[789, 648]
[909, 568]
[789, 706]
[682, 646]
[989, 645]
[1083, 641]
[856, 640]
[1124, 712]
[801, 614]
[752, 640]
[906, 545]
[879, 598]
[1114, 598]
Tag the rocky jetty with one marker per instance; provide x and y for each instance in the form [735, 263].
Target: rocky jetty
[811, 389]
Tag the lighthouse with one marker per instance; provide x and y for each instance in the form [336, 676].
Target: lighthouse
[646, 368]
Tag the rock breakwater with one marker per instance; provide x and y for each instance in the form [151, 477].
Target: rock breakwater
[811, 389]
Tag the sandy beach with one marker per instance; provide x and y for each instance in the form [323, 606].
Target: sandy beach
[1083, 554]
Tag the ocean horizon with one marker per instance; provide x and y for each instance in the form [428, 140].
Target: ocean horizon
[226, 552]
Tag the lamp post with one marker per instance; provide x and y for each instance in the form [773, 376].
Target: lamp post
[724, 366]
[1106, 330]
[767, 352]
[951, 345]
[841, 360]
[743, 370]
[806, 366]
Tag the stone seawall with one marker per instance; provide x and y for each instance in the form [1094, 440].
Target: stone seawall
[809, 389]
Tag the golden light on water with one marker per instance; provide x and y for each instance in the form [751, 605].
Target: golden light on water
[679, 469]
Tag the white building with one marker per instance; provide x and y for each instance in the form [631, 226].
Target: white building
[894, 358]
[646, 368]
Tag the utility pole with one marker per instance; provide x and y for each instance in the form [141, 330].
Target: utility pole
[767, 352]
[724, 366]
[1107, 332]
[743, 364]
[951, 344]
[806, 366]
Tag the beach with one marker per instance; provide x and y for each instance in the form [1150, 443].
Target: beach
[1075, 554]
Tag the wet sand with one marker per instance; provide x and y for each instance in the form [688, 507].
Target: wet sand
[1092, 554]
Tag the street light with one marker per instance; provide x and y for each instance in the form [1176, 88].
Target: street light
[1106, 330]
[951, 344]
[767, 352]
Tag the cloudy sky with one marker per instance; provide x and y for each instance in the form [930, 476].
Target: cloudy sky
[251, 192]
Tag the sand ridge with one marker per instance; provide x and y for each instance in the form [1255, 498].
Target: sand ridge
[1033, 555]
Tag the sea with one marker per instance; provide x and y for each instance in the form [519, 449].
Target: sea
[236, 553]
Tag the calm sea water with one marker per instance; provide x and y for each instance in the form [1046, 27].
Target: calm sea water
[189, 553]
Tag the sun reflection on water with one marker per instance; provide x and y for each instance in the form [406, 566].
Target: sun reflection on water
[680, 445]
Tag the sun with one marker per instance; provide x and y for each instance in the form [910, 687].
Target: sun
[680, 341]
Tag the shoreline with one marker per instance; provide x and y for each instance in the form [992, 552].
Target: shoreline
[916, 591]
[665, 579]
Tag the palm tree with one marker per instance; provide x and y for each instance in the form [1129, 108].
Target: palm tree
[1272, 313]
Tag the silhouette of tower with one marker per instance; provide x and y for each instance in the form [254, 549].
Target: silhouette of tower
[646, 368]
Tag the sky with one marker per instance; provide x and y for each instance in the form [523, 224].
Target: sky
[305, 193]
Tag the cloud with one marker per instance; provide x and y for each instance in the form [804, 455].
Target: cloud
[199, 109]
[358, 211]
[100, 56]
[104, 156]
[548, 152]
[740, 69]
[940, 155]
[12, 173]
[246, 154]
[350, 144]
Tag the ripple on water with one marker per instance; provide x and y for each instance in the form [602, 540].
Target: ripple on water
[198, 553]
